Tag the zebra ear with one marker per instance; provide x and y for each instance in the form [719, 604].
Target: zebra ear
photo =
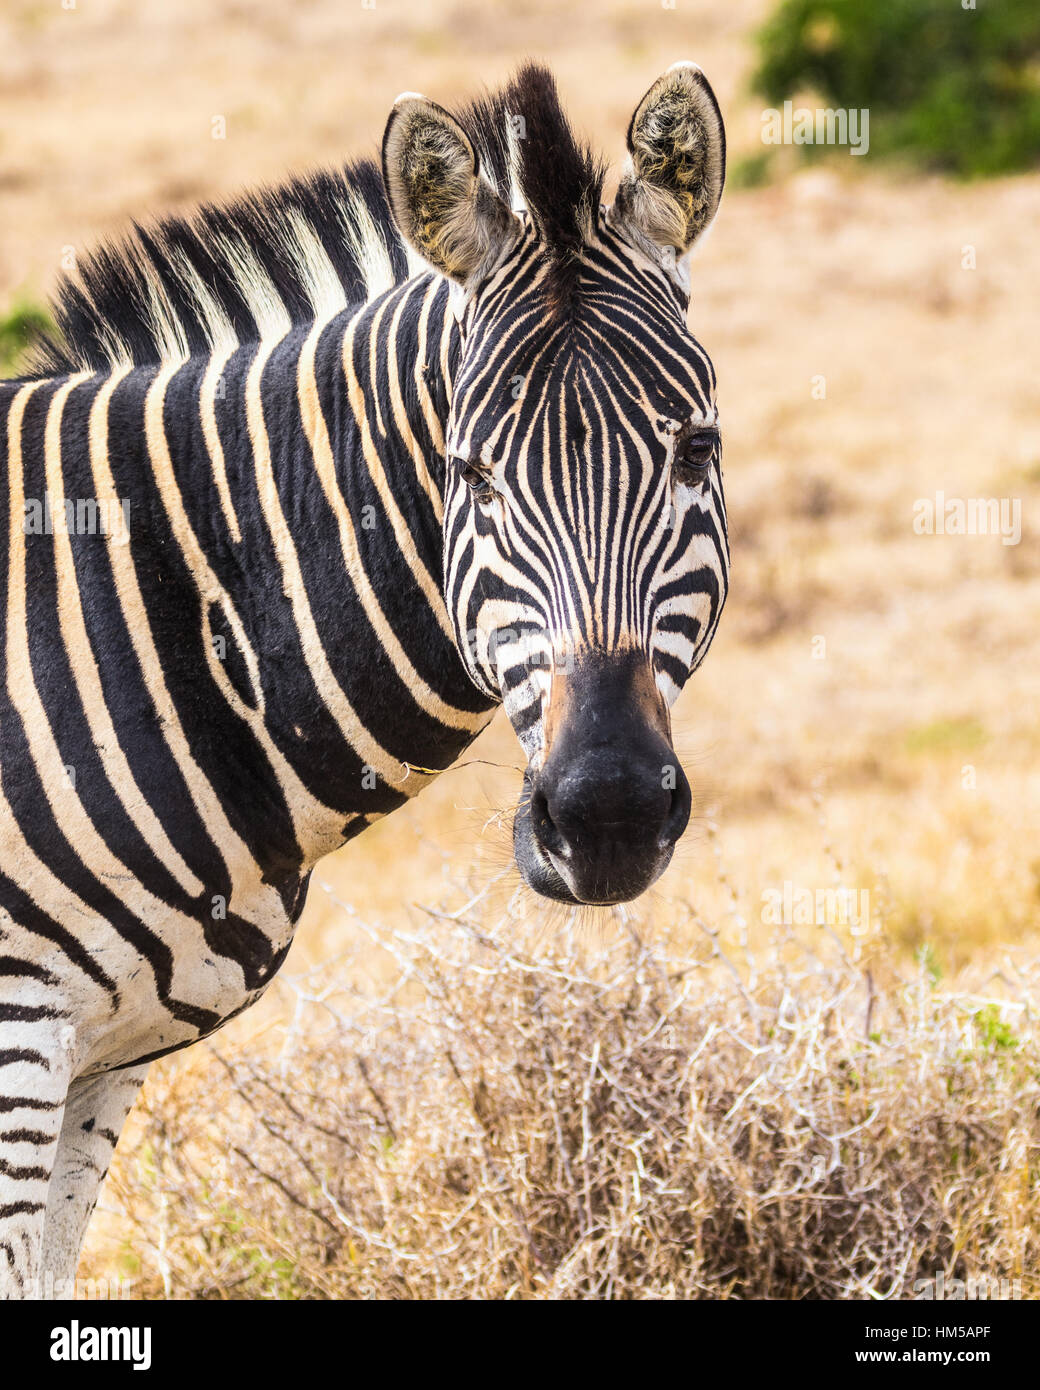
[670, 189]
[445, 211]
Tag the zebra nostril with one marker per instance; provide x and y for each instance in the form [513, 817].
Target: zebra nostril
[678, 812]
[544, 825]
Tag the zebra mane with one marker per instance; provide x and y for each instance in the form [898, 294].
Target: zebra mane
[227, 274]
[529, 153]
[250, 269]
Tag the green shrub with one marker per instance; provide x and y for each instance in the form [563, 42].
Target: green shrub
[954, 89]
[19, 328]
[752, 171]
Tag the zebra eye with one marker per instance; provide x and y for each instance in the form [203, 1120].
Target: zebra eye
[477, 481]
[694, 458]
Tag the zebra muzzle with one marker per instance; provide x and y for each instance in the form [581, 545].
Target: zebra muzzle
[599, 819]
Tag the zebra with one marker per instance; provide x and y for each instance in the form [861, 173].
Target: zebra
[302, 487]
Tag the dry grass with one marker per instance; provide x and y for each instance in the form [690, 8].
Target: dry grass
[487, 1110]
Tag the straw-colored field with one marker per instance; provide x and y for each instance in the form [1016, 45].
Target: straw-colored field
[869, 712]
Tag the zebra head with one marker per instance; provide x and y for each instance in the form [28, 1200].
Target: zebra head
[585, 545]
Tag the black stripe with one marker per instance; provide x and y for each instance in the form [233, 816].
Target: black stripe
[32, 1172]
[27, 1136]
[10, 1209]
[9, 1103]
[25, 970]
[10, 1055]
[29, 1013]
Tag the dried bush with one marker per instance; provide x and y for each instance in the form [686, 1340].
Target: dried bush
[493, 1111]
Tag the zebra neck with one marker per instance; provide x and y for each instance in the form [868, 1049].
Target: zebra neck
[333, 610]
[272, 638]
[264, 631]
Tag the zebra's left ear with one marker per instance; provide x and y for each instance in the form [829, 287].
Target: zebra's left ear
[670, 189]
[446, 212]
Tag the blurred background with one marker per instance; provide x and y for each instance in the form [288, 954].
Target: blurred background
[869, 714]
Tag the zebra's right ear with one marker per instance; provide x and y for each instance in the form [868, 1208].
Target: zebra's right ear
[444, 209]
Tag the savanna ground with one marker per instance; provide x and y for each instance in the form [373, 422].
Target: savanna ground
[488, 1098]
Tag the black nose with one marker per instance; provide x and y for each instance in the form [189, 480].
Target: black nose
[609, 817]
